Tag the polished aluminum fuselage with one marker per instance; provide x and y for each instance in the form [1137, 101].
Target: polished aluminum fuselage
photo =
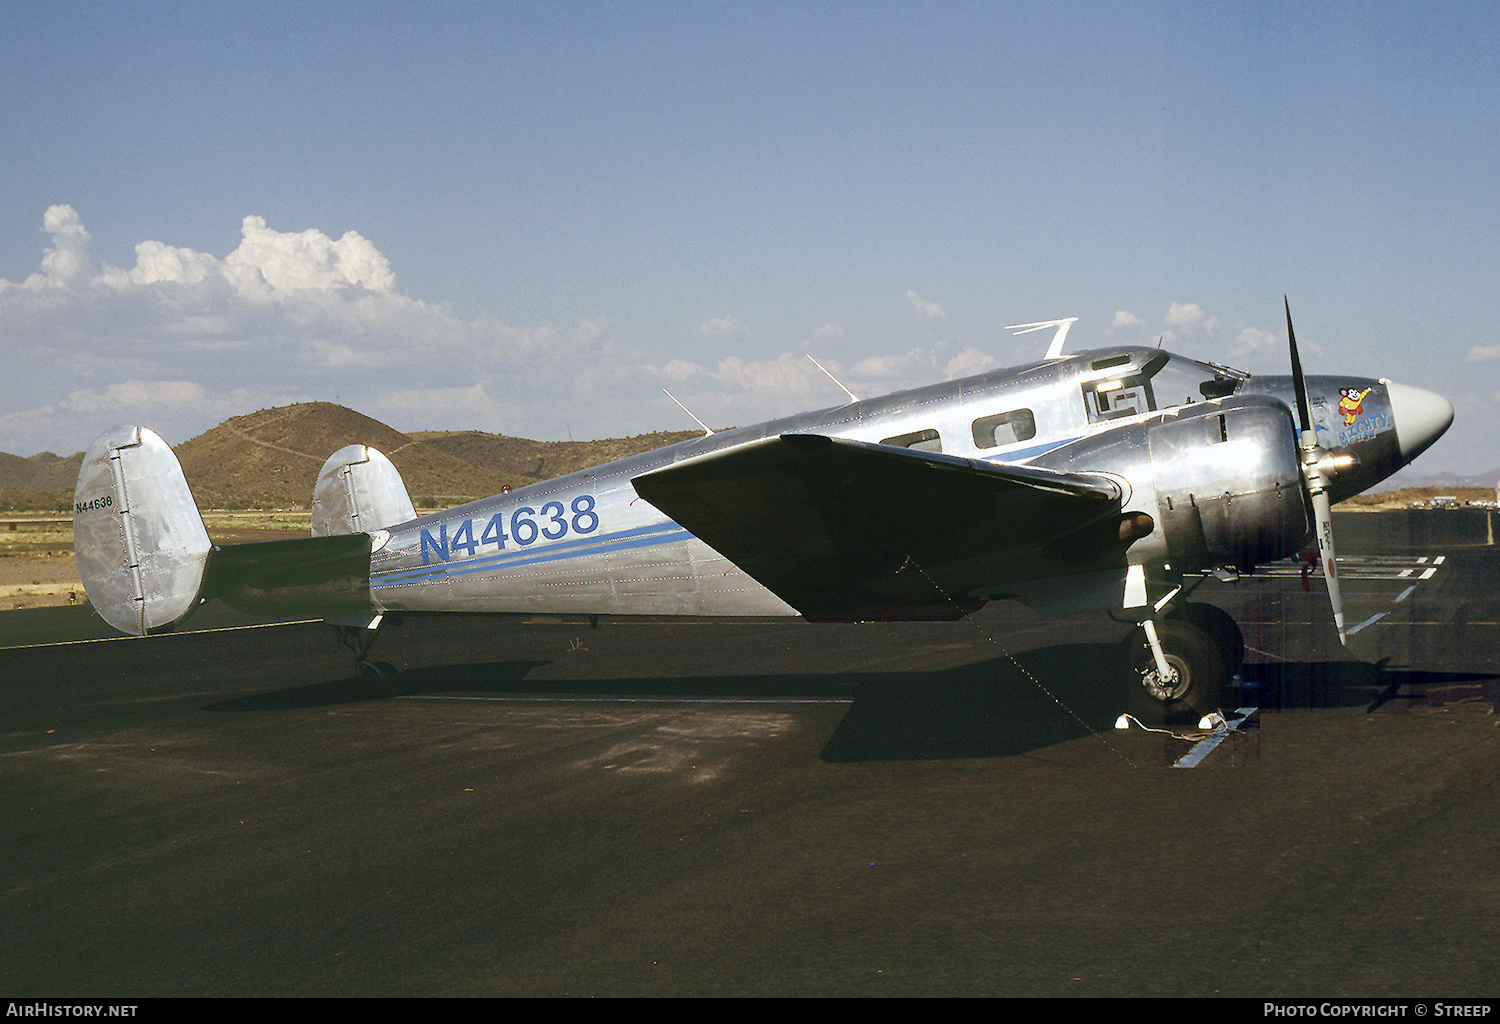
[588, 544]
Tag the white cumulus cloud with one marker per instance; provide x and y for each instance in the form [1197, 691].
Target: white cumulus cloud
[930, 310]
[1189, 316]
[719, 327]
[157, 263]
[306, 261]
[184, 338]
[969, 362]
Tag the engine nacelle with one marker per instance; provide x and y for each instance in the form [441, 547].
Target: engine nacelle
[1228, 484]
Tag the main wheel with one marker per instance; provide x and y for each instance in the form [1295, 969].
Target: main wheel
[1220, 627]
[375, 671]
[1194, 684]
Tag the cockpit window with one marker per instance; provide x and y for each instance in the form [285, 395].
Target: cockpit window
[1162, 382]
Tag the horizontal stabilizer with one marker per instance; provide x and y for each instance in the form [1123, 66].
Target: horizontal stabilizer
[324, 576]
[845, 530]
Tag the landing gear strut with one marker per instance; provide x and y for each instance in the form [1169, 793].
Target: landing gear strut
[1194, 680]
[357, 640]
[1183, 657]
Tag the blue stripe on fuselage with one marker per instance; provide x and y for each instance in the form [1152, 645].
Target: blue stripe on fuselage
[645, 536]
[1020, 454]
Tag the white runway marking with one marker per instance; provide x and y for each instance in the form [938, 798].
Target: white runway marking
[1205, 746]
[1364, 567]
[125, 637]
[539, 699]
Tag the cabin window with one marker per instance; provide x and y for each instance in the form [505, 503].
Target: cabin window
[1004, 428]
[917, 440]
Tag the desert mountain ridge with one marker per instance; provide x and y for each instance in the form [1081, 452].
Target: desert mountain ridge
[270, 459]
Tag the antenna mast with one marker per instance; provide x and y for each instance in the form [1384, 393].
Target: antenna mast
[706, 430]
[852, 396]
[1054, 350]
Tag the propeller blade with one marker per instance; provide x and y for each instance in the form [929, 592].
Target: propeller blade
[1323, 514]
[1315, 471]
[1304, 420]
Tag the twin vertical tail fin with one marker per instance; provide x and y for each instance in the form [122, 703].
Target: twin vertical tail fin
[359, 491]
[146, 560]
[141, 545]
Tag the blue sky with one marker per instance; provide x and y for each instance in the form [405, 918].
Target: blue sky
[531, 218]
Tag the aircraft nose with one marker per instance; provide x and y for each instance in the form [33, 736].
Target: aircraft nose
[1421, 417]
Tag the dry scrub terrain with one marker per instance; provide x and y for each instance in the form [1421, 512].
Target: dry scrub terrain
[36, 551]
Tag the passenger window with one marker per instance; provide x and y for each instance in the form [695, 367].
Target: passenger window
[1005, 428]
[919, 440]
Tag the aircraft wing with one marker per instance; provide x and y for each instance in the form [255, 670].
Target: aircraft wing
[846, 530]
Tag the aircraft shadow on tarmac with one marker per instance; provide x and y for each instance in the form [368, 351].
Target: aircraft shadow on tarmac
[1284, 686]
[983, 709]
[991, 708]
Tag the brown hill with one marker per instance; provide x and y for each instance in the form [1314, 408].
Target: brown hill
[517, 460]
[44, 473]
[271, 458]
[15, 471]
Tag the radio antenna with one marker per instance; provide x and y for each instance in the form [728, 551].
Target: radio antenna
[1054, 350]
[706, 431]
[852, 396]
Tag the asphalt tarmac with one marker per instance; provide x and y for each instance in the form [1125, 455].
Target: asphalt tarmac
[769, 809]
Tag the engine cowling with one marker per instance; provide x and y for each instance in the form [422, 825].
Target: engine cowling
[1228, 486]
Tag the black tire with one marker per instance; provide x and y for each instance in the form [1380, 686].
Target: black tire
[1200, 668]
[375, 671]
[1221, 629]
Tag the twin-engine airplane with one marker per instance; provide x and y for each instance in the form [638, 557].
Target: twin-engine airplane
[1107, 479]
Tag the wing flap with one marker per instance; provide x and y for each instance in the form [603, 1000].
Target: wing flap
[846, 530]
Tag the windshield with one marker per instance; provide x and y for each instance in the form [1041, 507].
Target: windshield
[1182, 382]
